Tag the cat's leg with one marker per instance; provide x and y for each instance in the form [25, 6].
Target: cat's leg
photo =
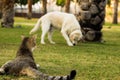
[4, 66]
[29, 71]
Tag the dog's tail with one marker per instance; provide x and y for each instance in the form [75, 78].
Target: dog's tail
[41, 76]
[36, 27]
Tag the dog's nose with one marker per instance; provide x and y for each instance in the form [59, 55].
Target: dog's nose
[74, 44]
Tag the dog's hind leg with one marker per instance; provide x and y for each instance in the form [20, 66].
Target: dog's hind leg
[45, 29]
[50, 35]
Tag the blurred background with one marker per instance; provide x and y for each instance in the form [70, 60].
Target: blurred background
[91, 14]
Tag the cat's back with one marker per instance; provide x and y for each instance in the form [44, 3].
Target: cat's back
[25, 61]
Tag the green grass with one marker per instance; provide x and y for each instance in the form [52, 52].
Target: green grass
[93, 61]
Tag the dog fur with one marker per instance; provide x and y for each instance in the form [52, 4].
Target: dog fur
[65, 22]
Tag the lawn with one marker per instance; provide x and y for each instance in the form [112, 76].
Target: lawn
[93, 61]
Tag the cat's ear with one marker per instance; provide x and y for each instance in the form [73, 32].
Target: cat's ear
[34, 36]
[22, 37]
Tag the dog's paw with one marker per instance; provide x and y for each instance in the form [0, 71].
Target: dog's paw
[42, 42]
[52, 42]
[70, 44]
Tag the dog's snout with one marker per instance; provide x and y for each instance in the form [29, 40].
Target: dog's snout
[74, 44]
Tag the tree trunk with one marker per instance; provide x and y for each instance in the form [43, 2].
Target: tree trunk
[44, 6]
[0, 9]
[29, 9]
[67, 6]
[1, 5]
[8, 14]
[91, 18]
[115, 14]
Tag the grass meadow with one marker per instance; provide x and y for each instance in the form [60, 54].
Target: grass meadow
[93, 61]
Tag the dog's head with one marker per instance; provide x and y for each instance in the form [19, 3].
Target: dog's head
[75, 36]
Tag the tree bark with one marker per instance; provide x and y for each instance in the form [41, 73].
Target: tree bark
[29, 9]
[115, 14]
[0, 9]
[8, 14]
[67, 6]
[91, 19]
[1, 5]
[44, 6]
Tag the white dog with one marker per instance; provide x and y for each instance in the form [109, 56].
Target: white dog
[66, 22]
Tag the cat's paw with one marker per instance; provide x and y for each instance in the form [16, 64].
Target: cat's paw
[2, 71]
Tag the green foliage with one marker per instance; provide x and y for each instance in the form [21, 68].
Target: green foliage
[24, 2]
[60, 2]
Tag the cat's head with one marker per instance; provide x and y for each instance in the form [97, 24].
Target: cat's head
[29, 42]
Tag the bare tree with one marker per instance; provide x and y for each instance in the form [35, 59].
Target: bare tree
[67, 6]
[0, 5]
[115, 14]
[8, 14]
[0, 8]
[44, 6]
[29, 9]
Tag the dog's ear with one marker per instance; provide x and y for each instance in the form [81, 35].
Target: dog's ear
[71, 36]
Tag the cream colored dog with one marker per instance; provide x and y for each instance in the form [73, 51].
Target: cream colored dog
[66, 22]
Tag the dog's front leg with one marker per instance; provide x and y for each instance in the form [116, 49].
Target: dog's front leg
[66, 37]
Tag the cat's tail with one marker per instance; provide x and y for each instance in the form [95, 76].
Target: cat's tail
[41, 76]
[36, 27]
[70, 76]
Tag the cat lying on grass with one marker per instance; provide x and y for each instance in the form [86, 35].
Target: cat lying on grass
[24, 64]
